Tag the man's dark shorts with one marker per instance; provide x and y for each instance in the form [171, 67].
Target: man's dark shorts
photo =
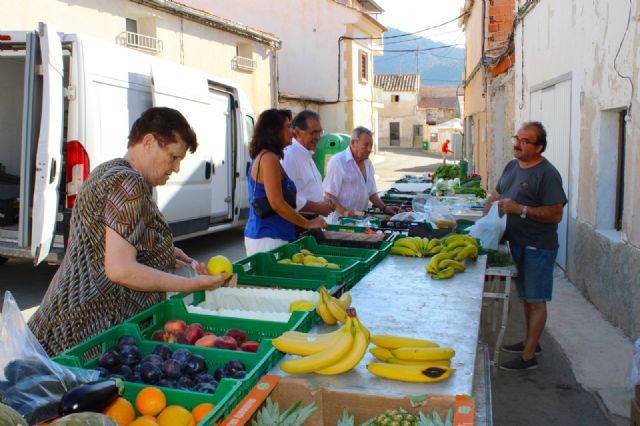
[535, 272]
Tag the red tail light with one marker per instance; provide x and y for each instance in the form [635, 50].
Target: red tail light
[77, 170]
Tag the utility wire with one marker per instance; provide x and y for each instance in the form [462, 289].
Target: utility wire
[408, 34]
[418, 38]
[423, 50]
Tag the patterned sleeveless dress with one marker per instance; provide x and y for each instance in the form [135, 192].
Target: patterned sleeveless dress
[81, 301]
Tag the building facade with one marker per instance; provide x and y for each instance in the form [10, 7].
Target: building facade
[572, 65]
[326, 60]
[168, 30]
[400, 123]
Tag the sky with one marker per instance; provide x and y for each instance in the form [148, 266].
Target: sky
[415, 15]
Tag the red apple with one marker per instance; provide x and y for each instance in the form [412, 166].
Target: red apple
[226, 342]
[250, 346]
[175, 326]
[207, 341]
[239, 335]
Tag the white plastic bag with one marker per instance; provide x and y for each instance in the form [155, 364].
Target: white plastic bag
[30, 382]
[633, 378]
[489, 229]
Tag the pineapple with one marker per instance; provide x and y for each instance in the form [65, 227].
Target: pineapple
[346, 419]
[401, 417]
[296, 415]
[435, 419]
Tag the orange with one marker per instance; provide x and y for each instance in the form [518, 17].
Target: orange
[144, 421]
[200, 411]
[175, 415]
[121, 411]
[150, 401]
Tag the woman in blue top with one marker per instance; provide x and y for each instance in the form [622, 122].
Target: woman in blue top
[268, 179]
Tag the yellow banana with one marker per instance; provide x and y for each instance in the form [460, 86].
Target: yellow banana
[435, 250]
[432, 266]
[353, 357]
[470, 240]
[335, 309]
[423, 354]
[298, 335]
[455, 264]
[444, 274]
[388, 341]
[434, 242]
[457, 242]
[469, 251]
[403, 251]
[381, 353]
[323, 310]
[321, 360]
[309, 346]
[423, 364]
[409, 373]
[345, 300]
[404, 242]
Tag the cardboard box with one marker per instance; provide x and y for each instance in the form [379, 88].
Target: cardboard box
[635, 413]
[331, 404]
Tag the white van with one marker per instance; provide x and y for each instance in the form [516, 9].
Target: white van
[68, 102]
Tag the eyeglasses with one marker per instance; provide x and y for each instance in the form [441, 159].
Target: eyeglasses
[524, 141]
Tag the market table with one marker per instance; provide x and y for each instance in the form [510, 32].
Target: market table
[399, 298]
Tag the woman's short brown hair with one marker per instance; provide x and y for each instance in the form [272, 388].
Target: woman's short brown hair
[167, 125]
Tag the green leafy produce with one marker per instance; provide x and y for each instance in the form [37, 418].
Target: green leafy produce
[496, 259]
[478, 192]
[295, 415]
[446, 171]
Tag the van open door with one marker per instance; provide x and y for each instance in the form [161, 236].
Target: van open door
[48, 156]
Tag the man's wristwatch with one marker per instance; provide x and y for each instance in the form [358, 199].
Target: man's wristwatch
[523, 213]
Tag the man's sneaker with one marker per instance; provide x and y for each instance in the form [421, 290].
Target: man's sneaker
[517, 348]
[519, 364]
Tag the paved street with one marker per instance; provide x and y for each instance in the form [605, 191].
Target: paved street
[549, 395]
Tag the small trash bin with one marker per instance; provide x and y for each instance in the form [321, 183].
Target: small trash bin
[463, 168]
[425, 145]
[328, 145]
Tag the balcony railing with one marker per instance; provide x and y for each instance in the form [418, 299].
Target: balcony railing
[242, 63]
[140, 41]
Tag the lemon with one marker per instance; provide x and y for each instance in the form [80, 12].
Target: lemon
[301, 305]
[219, 264]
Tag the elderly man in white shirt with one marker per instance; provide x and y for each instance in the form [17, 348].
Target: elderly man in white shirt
[350, 178]
[300, 167]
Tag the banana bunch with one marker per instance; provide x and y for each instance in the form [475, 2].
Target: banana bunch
[331, 309]
[456, 248]
[410, 360]
[330, 353]
[416, 246]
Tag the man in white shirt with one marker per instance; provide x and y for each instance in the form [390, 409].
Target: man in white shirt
[350, 178]
[302, 170]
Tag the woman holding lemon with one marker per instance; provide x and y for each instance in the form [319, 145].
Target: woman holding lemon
[120, 253]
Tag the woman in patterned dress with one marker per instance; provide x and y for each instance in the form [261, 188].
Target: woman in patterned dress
[120, 253]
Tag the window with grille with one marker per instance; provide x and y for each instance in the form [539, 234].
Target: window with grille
[395, 98]
[364, 66]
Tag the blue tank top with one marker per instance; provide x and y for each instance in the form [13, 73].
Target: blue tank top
[274, 226]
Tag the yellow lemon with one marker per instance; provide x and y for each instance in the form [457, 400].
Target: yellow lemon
[219, 264]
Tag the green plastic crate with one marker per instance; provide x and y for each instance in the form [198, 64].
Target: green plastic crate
[262, 269]
[367, 257]
[383, 249]
[86, 354]
[301, 321]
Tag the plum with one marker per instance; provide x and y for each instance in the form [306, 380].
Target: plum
[150, 373]
[194, 365]
[185, 383]
[167, 383]
[172, 368]
[164, 351]
[136, 378]
[126, 340]
[124, 371]
[219, 374]
[206, 387]
[234, 365]
[110, 360]
[153, 359]
[238, 374]
[204, 377]
[181, 355]
[130, 355]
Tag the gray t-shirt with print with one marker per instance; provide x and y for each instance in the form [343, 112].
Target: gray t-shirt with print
[540, 185]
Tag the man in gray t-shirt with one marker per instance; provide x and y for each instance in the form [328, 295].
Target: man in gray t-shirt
[530, 193]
